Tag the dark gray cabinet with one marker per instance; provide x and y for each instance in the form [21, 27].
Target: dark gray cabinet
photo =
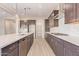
[31, 39]
[53, 43]
[70, 49]
[47, 37]
[56, 44]
[59, 48]
[14, 52]
[19, 48]
[25, 45]
[62, 47]
[67, 49]
[11, 50]
[28, 42]
[47, 28]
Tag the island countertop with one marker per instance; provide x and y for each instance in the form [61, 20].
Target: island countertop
[6, 40]
[69, 38]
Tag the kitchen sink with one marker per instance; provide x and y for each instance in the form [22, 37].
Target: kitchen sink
[61, 34]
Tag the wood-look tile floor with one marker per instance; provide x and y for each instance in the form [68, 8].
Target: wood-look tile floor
[40, 48]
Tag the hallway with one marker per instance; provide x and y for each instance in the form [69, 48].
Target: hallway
[40, 48]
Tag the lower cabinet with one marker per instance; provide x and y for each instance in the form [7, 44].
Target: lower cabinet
[23, 47]
[61, 47]
[53, 44]
[11, 50]
[70, 49]
[14, 52]
[19, 48]
[28, 42]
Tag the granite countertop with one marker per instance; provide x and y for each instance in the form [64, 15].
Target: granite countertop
[69, 38]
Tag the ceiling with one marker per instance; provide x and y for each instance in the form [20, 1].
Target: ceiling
[42, 10]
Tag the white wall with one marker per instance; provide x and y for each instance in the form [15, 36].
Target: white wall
[2, 31]
[10, 27]
[40, 26]
[71, 29]
[7, 27]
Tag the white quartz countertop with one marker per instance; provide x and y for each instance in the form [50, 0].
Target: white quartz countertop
[69, 38]
[11, 38]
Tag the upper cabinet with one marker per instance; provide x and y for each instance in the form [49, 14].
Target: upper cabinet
[47, 25]
[71, 12]
[53, 18]
[77, 6]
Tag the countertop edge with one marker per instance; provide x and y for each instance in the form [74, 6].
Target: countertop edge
[73, 42]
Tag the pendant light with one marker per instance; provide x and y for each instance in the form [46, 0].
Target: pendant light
[26, 9]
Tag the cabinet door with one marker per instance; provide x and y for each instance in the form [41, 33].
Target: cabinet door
[28, 42]
[46, 36]
[49, 40]
[59, 48]
[75, 50]
[70, 49]
[14, 52]
[77, 11]
[47, 25]
[52, 42]
[67, 49]
[22, 47]
[26, 45]
[6, 51]
[32, 39]
[67, 52]
[70, 14]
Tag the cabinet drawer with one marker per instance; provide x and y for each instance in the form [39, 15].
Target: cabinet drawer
[9, 48]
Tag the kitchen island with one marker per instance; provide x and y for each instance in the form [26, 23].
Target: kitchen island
[15, 45]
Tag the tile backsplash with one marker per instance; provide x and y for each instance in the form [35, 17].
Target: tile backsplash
[71, 29]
